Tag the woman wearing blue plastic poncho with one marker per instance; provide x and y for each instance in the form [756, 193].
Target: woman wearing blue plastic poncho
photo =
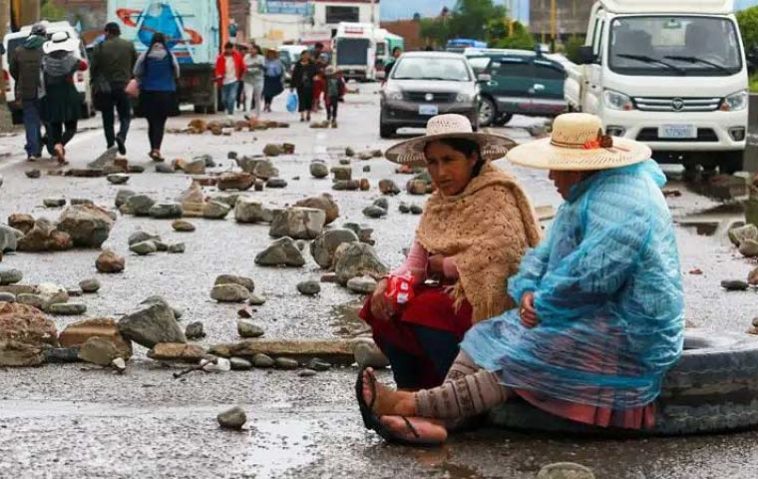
[601, 315]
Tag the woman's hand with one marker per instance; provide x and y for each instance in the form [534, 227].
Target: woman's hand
[381, 307]
[437, 264]
[527, 312]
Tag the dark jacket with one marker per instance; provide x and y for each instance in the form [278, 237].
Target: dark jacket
[114, 59]
[25, 66]
[302, 75]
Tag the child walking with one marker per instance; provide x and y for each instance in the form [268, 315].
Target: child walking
[335, 90]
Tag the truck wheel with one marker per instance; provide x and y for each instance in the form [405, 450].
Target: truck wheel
[487, 111]
[711, 389]
[386, 131]
[503, 120]
[731, 162]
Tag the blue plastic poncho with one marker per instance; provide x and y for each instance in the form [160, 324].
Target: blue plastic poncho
[608, 293]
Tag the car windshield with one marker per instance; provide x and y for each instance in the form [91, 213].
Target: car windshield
[674, 46]
[479, 64]
[431, 68]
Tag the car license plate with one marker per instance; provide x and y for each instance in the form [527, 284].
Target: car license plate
[429, 110]
[677, 132]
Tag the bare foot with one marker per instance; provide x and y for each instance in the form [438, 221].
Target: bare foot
[388, 401]
[428, 431]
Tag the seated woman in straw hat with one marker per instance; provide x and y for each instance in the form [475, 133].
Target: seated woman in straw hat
[474, 231]
[601, 305]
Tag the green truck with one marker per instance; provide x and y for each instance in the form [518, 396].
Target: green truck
[517, 82]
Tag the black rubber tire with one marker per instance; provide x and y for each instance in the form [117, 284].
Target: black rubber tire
[713, 388]
[504, 119]
[731, 162]
[486, 105]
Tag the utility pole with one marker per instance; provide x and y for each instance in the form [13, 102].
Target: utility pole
[553, 20]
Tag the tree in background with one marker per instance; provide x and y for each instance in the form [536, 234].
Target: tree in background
[52, 11]
[748, 21]
[572, 46]
[520, 39]
[468, 19]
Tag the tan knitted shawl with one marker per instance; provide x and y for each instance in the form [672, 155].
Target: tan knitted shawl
[486, 229]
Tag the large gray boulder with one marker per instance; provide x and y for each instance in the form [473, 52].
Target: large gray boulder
[170, 210]
[352, 260]
[324, 247]
[137, 205]
[298, 223]
[150, 325]
[88, 225]
[282, 252]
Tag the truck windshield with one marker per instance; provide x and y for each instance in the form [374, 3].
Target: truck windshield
[352, 51]
[431, 68]
[674, 46]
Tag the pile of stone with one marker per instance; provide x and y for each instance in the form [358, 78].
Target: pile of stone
[143, 243]
[746, 239]
[230, 288]
[198, 126]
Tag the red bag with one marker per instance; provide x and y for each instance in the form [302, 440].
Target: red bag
[399, 289]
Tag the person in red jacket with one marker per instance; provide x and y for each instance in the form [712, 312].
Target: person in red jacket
[230, 67]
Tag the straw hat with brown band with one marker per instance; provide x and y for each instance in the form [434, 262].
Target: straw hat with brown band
[440, 127]
[578, 143]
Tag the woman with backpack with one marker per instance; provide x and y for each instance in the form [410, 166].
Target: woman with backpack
[157, 71]
[61, 106]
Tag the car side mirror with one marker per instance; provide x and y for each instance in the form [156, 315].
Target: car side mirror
[587, 55]
[484, 77]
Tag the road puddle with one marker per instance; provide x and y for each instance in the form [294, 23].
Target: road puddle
[279, 446]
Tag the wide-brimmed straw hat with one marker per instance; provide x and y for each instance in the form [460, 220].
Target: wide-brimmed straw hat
[59, 41]
[440, 127]
[578, 143]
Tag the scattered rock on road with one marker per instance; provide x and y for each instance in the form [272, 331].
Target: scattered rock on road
[189, 353]
[44, 236]
[183, 226]
[256, 300]
[76, 334]
[54, 202]
[282, 252]
[98, 350]
[240, 364]
[215, 210]
[734, 285]
[357, 259]
[319, 169]
[740, 234]
[325, 203]
[195, 330]
[362, 285]
[117, 179]
[276, 183]
[166, 210]
[248, 329]
[388, 187]
[286, 363]
[298, 223]
[244, 281]
[90, 286]
[263, 361]
[248, 210]
[749, 248]
[67, 309]
[151, 325]
[144, 248]
[10, 276]
[21, 221]
[324, 247]
[109, 262]
[342, 173]
[240, 181]
[230, 293]
[122, 197]
[88, 225]
[33, 174]
[368, 355]
[233, 418]
[309, 288]
[374, 212]
[138, 205]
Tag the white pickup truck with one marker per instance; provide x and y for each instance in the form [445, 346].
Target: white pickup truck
[671, 74]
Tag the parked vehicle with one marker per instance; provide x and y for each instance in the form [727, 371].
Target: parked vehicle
[196, 32]
[355, 51]
[458, 45]
[386, 42]
[518, 82]
[425, 84]
[671, 74]
[81, 79]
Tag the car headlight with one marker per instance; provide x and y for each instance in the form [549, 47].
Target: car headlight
[393, 95]
[617, 101]
[735, 102]
[463, 98]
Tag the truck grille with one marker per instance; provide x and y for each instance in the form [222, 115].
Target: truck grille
[437, 97]
[704, 135]
[677, 104]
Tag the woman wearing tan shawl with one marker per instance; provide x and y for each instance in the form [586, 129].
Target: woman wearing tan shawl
[474, 231]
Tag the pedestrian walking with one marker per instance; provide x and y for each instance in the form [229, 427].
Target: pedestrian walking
[273, 78]
[112, 66]
[157, 71]
[61, 106]
[319, 81]
[25, 63]
[229, 69]
[396, 52]
[302, 80]
[242, 99]
[335, 90]
[255, 65]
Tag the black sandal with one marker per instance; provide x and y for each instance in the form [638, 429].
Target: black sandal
[371, 421]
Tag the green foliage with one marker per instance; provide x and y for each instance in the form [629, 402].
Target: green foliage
[572, 47]
[521, 39]
[754, 83]
[52, 11]
[477, 19]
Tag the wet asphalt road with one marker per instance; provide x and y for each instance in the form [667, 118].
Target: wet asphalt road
[79, 421]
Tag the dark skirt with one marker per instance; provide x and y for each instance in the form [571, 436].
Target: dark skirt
[61, 103]
[305, 98]
[272, 86]
[155, 104]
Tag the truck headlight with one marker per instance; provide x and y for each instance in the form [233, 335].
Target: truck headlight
[735, 102]
[617, 101]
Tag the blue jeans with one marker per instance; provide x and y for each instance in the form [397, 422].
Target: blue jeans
[33, 127]
[229, 96]
[440, 347]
